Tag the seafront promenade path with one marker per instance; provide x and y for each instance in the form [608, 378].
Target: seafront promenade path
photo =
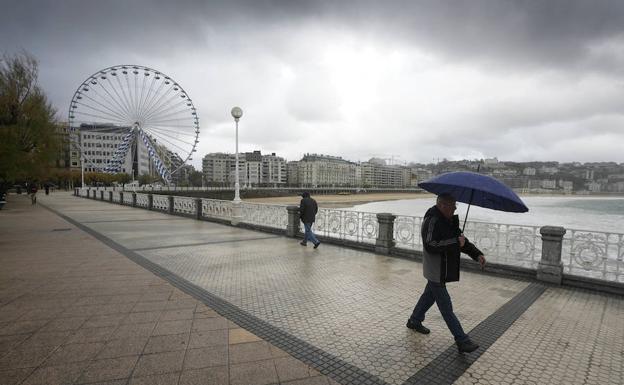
[97, 293]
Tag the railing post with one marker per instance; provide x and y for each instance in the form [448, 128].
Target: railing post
[170, 208]
[102, 195]
[150, 201]
[550, 267]
[121, 195]
[133, 199]
[293, 221]
[198, 208]
[237, 213]
[385, 237]
[110, 196]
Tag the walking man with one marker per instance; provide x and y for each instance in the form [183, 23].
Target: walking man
[307, 213]
[32, 191]
[442, 244]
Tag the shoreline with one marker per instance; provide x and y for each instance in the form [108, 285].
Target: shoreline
[344, 201]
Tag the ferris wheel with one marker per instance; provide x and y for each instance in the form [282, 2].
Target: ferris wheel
[129, 117]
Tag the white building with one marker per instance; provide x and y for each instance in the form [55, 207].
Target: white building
[98, 145]
[529, 171]
[375, 173]
[216, 167]
[548, 170]
[549, 184]
[274, 170]
[253, 167]
[315, 170]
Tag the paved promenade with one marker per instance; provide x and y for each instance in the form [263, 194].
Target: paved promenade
[93, 292]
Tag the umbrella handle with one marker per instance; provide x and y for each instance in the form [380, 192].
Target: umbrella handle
[470, 202]
[467, 211]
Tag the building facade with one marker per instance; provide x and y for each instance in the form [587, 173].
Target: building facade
[274, 170]
[378, 174]
[254, 169]
[315, 170]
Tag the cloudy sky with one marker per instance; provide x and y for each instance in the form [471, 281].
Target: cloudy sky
[410, 80]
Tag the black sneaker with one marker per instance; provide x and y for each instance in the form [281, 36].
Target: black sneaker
[417, 326]
[467, 346]
[302, 243]
[317, 245]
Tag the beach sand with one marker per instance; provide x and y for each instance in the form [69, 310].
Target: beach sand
[337, 201]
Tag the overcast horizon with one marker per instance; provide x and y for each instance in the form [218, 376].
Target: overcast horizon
[415, 81]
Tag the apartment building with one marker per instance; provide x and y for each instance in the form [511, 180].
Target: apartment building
[98, 144]
[254, 169]
[323, 170]
[376, 173]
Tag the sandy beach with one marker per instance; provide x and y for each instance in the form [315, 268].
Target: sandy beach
[337, 201]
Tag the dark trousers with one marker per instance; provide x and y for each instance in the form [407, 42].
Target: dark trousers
[436, 292]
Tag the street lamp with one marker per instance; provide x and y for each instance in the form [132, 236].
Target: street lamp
[237, 112]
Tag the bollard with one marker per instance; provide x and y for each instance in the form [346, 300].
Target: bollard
[133, 199]
[293, 227]
[150, 201]
[385, 237]
[550, 267]
[170, 208]
[198, 208]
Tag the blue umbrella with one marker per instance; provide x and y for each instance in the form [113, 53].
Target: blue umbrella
[475, 189]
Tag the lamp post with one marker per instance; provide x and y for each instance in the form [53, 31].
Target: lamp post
[237, 112]
[237, 212]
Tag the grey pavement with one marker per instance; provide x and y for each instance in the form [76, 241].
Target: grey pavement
[331, 314]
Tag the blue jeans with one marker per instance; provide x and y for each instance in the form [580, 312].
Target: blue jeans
[309, 235]
[436, 292]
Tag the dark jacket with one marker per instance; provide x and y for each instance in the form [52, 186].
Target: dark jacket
[307, 209]
[441, 247]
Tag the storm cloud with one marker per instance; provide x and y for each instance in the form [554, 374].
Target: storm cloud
[414, 80]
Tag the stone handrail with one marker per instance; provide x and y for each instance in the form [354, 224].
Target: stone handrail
[551, 252]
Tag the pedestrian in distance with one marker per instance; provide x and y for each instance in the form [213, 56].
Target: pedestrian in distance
[307, 213]
[47, 188]
[32, 191]
[443, 242]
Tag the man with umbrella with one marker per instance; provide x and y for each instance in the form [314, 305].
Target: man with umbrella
[443, 242]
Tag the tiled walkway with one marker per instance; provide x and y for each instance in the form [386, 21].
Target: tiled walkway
[338, 310]
[73, 310]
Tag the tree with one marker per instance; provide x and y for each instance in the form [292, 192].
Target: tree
[195, 178]
[28, 144]
[122, 178]
[146, 179]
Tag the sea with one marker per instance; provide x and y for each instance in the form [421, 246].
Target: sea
[605, 214]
